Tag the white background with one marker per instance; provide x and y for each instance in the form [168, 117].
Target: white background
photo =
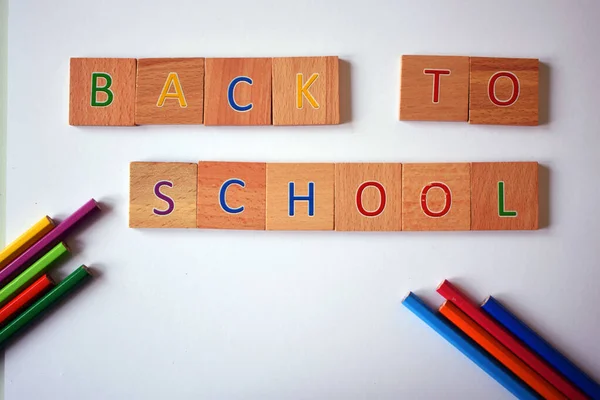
[189, 314]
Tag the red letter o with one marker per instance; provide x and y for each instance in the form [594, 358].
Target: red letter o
[382, 196]
[492, 89]
[447, 206]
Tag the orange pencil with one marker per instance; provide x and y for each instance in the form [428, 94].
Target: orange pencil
[27, 296]
[499, 352]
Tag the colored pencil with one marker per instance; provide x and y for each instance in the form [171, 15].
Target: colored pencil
[448, 291]
[32, 273]
[472, 351]
[62, 289]
[25, 241]
[51, 239]
[528, 336]
[25, 298]
[499, 352]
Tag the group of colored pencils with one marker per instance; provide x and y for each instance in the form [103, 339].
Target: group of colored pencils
[504, 347]
[26, 289]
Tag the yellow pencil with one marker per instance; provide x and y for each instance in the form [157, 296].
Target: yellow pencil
[25, 241]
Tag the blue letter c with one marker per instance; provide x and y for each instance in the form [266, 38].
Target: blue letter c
[230, 91]
[223, 191]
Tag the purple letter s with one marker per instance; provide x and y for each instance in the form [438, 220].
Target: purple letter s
[164, 197]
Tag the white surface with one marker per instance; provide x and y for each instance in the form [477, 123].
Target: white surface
[188, 314]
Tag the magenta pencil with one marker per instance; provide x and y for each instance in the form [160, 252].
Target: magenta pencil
[51, 239]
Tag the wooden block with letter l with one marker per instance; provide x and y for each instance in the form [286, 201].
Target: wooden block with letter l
[504, 91]
[162, 195]
[169, 91]
[300, 196]
[306, 91]
[368, 197]
[102, 91]
[504, 196]
[434, 88]
[237, 91]
[231, 195]
[436, 197]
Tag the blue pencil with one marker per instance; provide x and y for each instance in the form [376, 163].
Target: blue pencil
[541, 347]
[472, 351]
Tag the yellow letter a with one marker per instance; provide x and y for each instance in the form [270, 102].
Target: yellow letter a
[302, 90]
[172, 79]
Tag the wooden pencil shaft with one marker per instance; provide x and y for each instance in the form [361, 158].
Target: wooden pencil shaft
[25, 298]
[25, 241]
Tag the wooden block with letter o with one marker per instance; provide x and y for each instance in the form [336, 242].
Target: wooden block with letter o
[436, 197]
[504, 196]
[300, 196]
[162, 195]
[504, 91]
[306, 91]
[231, 195]
[368, 197]
[102, 91]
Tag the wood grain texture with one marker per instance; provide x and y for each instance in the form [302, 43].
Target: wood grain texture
[324, 90]
[417, 102]
[278, 178]
[520, 195]
[348, 180]
[481, 108]
[212, 176]
[152, 76]
[219, 74]
[121, 111]
[145, 206]
[456, 176]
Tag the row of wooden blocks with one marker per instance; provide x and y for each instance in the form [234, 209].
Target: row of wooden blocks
[342, 197]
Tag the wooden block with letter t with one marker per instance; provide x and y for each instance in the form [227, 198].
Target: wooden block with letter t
[368, 197]
[434, 88]
[300, 196]
[306, 91]
[169, 91]
[436, 197]
[102, 91]
[162, 195]
[231, 195]
[504, 91]
[504, 196]
[237, 91]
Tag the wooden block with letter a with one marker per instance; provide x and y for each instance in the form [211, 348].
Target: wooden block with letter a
[504, 196]
[102, 91]
[504, 91]
[237, 91]
[436, 197]
[368, 197]
[162, 195]
[434, 88]
[306, 91]
[231, 195]
[300, 196]
[169, 91]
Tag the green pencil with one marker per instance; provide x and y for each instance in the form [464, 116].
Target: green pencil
[67, 285]
[32, 273]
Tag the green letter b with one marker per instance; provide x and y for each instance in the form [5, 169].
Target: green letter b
[104, 89]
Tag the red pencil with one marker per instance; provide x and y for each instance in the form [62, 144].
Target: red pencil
[454, 295]
[26, 297]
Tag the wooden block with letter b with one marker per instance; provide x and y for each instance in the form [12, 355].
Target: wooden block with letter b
[102, 91]
[306, 91]
[162, 195]
[434, 88]
[300, 196]
[504, 91]
[368, 197]
[504, 196]
[169, 91]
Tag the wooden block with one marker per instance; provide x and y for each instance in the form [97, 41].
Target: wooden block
[368, 197]
[504, 91]
[300, 181]
[238, 91]
[102, 91]
[306, 91]
[232, 195]
[434, 88]
[169, 91]
[436, 197]
[504, 196]
[162, 195]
